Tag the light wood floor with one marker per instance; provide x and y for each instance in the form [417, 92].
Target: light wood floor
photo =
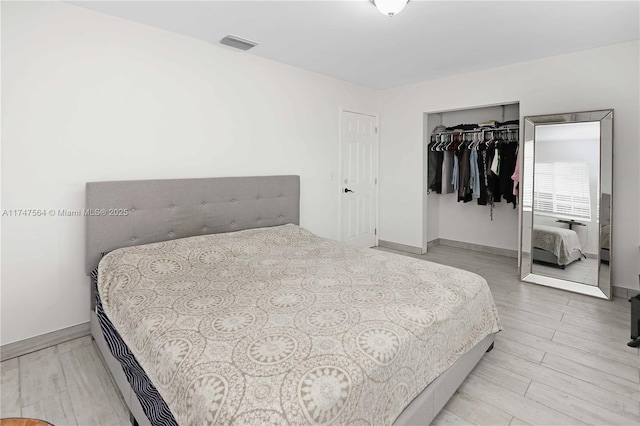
[583, 271]
[562, 359]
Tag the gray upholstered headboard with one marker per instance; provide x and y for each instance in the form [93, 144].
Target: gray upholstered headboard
[127, 213]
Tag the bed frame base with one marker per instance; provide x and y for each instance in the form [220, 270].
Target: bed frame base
[136, 414]
[426, 406]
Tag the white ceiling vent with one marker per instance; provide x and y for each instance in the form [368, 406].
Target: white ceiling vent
[238, 42]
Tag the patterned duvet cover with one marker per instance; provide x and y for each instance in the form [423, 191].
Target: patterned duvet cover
[280, 326]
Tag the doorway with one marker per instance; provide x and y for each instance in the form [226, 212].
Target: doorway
[359, 178]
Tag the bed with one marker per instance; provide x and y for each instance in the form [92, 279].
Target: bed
[558, 246]
[234, 314]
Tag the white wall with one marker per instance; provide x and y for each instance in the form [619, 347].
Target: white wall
[91, 97]
[589, 80]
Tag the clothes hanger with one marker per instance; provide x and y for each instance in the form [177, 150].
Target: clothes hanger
[476, 141]
[450, 143]
[489, 142]
[433, 143]
[470, 139]
[462, 143]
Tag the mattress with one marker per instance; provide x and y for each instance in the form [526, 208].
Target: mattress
[277, 325]
[563, 243]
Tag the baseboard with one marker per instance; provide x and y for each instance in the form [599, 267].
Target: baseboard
[451, 243]
[625, 293]
[431, 244]
[479, 247]
[398, 246]
[32, 344]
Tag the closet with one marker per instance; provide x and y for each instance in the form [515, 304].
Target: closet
[467, 204]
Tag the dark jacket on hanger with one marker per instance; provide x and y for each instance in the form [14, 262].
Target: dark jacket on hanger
[492, 180]
[464, 167]
[435, 171]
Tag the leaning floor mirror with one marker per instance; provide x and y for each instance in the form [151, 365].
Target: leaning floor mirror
[566, 183]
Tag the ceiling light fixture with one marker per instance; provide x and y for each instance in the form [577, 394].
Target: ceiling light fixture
[390, 7]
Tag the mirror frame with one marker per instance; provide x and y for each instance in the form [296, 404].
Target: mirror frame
[603, 289]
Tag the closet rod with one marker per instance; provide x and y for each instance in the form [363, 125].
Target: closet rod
[478, 130]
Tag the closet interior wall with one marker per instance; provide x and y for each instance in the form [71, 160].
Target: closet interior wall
[445, 217]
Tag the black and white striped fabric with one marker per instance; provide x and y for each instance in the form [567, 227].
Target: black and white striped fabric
[152, 403]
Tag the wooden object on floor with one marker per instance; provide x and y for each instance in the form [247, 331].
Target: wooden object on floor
[21, 421]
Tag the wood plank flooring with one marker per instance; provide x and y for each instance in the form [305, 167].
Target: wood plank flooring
[584, 271]
[65, 384]
[562, 359]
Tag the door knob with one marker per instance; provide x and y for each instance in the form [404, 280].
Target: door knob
[347, 190]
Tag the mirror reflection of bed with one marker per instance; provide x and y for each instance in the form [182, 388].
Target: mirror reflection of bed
[571, 263]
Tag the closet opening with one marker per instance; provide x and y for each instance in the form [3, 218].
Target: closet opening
[469, 159]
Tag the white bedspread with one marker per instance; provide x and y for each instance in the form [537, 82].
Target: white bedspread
[279, 326]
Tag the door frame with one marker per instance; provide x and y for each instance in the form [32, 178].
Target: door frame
[377, 165]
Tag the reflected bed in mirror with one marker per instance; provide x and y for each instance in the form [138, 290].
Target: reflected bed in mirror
[566, 201]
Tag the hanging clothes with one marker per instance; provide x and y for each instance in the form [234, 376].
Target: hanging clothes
[456, 171]
[507, 166]
[435, 171]
[482, 174]
[431, 167]
[493, 181]
[475, 173]
[464, 187]
[495, 164]
[516, 174]
[446, 186]
[435, 159]
[476, 163]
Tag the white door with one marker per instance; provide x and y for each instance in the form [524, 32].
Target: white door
[359, 174]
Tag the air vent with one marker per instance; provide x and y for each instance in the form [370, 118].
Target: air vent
[238, 42]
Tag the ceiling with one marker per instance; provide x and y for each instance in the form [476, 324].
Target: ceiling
[350, 40]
